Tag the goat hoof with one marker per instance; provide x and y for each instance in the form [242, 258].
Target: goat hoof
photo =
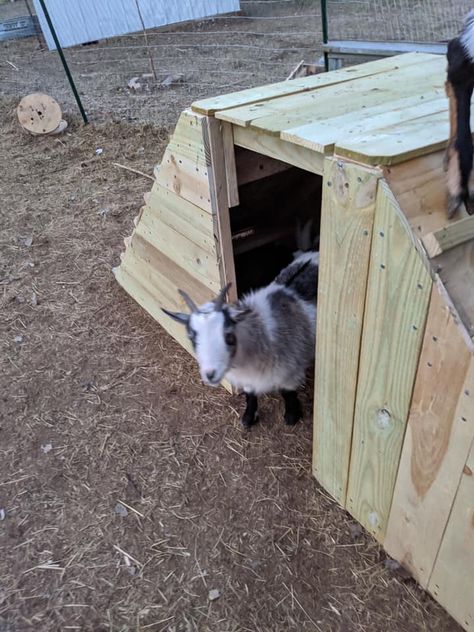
[249, 420]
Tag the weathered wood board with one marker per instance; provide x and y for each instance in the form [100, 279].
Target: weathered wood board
[349, 193]
[398, 292]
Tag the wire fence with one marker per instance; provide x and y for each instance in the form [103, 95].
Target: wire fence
[115, 77]
[396, 20]
[260, 45]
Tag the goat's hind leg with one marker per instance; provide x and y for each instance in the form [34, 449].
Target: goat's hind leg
[250, 416]
[293, 412]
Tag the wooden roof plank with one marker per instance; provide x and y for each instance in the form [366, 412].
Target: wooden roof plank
[275, 115]
[397, 143]
[323, 135]
[284, 88]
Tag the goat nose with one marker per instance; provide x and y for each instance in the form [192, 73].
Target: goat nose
[210, 375]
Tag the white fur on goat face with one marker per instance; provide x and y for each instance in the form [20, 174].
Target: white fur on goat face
[208, 330]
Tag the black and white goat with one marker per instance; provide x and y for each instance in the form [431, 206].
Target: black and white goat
[459, 88]
[265, 342]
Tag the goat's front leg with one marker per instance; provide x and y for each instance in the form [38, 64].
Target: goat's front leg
[293, 411]
[250, 416]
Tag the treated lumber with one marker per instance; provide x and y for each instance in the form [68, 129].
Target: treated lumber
[336, 100]
[279, 149]
[449, 236]
[348, 205]
[230, 166]
[439, 431]
[186, 139]
[455, 267]
[213, 140]
[398, 292]
[252, 166]
[147, 298]
[184, 217]
[397, 143]
[186, 178]
[323, 135]
[452, 581]
[162, 276]
[276, 90]
[200, 263]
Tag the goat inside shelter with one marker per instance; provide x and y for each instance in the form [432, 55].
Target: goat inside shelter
[263, 343]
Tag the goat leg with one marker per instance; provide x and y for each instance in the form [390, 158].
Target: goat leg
[293, 411]
[250, 416]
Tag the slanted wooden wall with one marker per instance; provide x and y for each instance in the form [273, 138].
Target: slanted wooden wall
[179, 234]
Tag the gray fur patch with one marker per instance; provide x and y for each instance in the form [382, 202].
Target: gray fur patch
[304, 283]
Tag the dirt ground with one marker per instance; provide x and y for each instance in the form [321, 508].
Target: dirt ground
[100, 407]
[128, 490]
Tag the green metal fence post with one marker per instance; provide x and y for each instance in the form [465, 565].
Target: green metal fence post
[324, 18]
[64, 62]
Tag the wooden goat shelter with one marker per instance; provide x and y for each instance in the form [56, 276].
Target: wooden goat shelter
[360, 151]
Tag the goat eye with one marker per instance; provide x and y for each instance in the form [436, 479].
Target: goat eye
[230, 339]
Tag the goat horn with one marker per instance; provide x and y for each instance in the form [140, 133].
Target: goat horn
[189, 301]
[220, 298]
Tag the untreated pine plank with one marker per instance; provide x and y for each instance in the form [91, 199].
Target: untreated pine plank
[336, 100]
[279, 149]
[452, 581]
[348, 205]
[273, 91]
[439, 431]
[449, 236]
[230, 166]
[213, 140]
[398, 292]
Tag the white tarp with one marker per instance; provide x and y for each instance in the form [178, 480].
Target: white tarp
[80, 21]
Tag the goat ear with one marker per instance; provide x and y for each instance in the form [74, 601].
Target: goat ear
[178, 316]
[238, 314]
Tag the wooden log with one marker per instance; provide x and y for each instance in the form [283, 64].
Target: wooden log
[398, 292]
[348, 206]
[439, 431]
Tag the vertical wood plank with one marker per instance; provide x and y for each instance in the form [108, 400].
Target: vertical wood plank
[348, 205]
[452, 581]
[213, 141]
[230, 166]
[398, 292]
[439, 432]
